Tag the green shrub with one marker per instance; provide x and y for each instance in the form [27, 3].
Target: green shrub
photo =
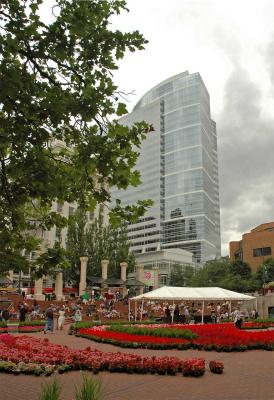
[158, 332]
[91, 389]
[90, 324]
[51, 390]
[32, 323]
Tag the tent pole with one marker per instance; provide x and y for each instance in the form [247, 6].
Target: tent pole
[203, 310]
[142, 309]
[172, 315]
[129, 310]
[229, 311]
[135, 311]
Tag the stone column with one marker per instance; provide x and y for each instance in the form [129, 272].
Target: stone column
[38, 289]
[104, 265]
[156, 276]
[123, 266]
[10, 276]
[83, 275]
[59, 286]
[140, 276]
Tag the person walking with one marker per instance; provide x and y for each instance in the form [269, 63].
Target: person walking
[61, 318]
[49, 314]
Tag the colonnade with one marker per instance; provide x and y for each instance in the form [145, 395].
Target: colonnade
[38, 285]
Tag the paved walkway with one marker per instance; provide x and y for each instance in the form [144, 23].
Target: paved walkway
[247, 376]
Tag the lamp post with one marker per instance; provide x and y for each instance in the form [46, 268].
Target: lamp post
[263, 279]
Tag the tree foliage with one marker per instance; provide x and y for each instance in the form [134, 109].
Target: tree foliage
[56, 99]
[51, 261]
[181, 275]
[226, 274]
[97, 242]
[265, 272]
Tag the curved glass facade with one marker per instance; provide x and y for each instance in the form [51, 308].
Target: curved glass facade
[179, 168]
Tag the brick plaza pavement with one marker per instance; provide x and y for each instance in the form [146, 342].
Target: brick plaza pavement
[247, 376]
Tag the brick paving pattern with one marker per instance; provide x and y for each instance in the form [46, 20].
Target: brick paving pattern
[247, 376]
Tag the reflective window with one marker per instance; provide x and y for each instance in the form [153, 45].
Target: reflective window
[183, 160]
[184, 116]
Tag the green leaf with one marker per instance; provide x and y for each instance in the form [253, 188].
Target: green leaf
[121, 109]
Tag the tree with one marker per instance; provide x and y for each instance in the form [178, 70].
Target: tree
[51, 261]
[265, 272]
[118, 249]
[98, 242]
[56, 99]
[76, 245]
[238, 267]
[181, 275]
[212, 273]
[229, 275]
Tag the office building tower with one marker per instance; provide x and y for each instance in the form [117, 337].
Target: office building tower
[179, 170]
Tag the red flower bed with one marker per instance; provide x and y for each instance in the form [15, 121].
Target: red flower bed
[29, 355]
[26, 329]
[220, 337]
[124, 337]
[225, 337]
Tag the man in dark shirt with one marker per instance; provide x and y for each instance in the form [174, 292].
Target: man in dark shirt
[22, 313]
[5, 315]
[49, 314]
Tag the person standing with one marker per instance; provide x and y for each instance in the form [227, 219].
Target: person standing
[176, 314]
[168, 315]
[78, 315]
[238, 321]
[49, 314]
[22, 313]
[61, 318]
[5, 315]
[187, 315]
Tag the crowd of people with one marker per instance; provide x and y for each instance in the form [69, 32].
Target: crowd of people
[102, 305]
[191, 312]
[93, 305]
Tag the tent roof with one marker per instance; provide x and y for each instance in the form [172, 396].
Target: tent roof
[191, 293]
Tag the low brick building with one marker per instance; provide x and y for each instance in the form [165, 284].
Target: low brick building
[255, 247]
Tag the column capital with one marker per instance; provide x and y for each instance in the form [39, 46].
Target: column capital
[84, 259]
[155, 267]
[123, 264]
[104, 261]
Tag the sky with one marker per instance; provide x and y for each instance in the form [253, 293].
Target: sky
[231, 44]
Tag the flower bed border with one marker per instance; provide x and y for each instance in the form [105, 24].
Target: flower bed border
[191, 344]
[25, 354]
[22, 326]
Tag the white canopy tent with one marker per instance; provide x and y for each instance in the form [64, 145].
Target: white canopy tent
[202, 294]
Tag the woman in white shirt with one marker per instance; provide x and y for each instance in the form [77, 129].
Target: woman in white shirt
[61, 318]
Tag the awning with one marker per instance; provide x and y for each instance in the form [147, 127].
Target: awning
[193, 293]
[134, 283]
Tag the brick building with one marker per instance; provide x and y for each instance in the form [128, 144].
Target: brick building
[255, 247]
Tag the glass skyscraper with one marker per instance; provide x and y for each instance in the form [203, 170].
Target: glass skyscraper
[179, 169]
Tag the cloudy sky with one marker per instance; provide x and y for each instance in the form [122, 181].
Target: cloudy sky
[231, 44]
